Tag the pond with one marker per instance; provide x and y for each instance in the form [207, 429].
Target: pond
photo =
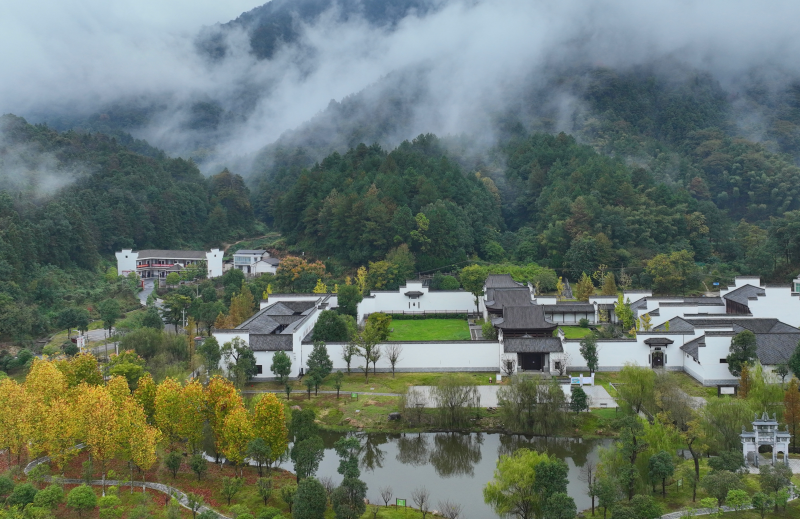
[453, 466]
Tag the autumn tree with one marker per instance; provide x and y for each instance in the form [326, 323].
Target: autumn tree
[609, 285]
[241, 309]
[221, 399]
[145, 395]
[99, 424]
[168, 409]
[192, 415]
[15, 427]
[269, 424]
[791, 413]
[237, 431]
[584, 288]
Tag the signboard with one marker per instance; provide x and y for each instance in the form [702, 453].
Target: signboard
[727, 390]
[575, 380]
[354, 395]
[81, 342]
[400, 502]
[716, 284]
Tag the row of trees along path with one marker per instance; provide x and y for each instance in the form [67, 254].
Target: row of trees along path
[160, 487]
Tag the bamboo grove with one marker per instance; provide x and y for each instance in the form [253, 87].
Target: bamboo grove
[65, 405]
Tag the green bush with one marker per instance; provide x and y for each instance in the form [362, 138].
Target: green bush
[49, 497]
[269, 513]
[584, 323]
[22, 495]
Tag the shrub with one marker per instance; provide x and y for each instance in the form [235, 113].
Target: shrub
[583, 323]
[49, 497]
[81, 499]
[269, 513]
[22, 495]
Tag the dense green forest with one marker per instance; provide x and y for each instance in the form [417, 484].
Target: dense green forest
[654, 165]
[55, 246]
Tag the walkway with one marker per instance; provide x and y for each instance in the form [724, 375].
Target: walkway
[598, 396]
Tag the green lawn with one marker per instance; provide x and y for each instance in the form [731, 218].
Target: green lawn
[430, 330]
[575, 332]
[381, 382]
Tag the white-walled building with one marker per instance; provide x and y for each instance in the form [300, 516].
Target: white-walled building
[691, 334]
[156, 264]
[415, 297]
[255, 262]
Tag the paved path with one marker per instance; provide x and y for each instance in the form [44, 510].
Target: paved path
[295, 391]
[149, 286]
[598, 396]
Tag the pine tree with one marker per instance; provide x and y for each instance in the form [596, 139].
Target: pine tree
[609, 287]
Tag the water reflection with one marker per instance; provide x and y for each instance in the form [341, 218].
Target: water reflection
[562, 448]
[371, 455]
[451, 465]
[413, 450]
[456, 454]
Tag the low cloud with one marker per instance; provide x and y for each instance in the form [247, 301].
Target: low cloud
[473, 59]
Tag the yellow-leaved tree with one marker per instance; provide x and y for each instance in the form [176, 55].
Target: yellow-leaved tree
[145, 394]
[241, 309]
[192, 414]
[44, 384]
[221, 398]
[62, 430]
[237, 432]
[269, 424]
[137, 440]
[99, 424]
[82, 368]
[168, 409]
[15, 427]
[320, 288]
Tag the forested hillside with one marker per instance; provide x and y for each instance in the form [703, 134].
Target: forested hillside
[69, 200]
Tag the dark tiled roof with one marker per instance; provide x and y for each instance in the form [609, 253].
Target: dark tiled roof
[271, 342]
[532, 345]
[639, 304]
[414, 293]
[744, 293]
[299, 306]
[691, 346]
[676, 324]
[501, 281]
[524, 318]
[509, 297]
[271, 261]
[606, 306]
[569, 307]
[769, 325]
[774, 348]
[249, 251]
[171, 254]
[658, 341]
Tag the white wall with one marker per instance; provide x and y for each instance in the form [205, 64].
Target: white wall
[424, 356]
[214, 262]
[779, 303]
[430, 301]
[126, 261]
[262, 267]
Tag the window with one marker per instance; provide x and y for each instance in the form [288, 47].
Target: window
[723, 361]
[259, 369]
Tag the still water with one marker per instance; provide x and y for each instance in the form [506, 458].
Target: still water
[453, 466]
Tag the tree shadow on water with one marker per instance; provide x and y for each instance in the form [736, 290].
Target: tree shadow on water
[455, 454]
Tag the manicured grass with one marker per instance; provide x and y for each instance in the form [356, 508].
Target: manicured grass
[430, 330]
[575, 332]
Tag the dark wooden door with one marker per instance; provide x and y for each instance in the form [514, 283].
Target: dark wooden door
[658, 359]
[531, 361]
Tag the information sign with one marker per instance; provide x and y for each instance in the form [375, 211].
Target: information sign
[401, 502]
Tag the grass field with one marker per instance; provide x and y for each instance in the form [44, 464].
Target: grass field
[430, 330]
[378, 383]
[575, 332]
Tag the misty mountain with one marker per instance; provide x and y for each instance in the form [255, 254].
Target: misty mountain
[277, 23]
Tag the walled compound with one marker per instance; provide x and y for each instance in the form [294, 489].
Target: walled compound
[691, 334]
